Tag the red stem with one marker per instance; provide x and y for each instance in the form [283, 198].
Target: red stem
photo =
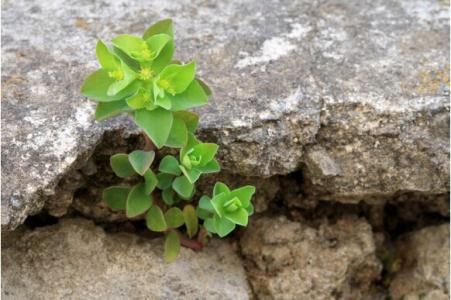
[149, 144]
[188, 243]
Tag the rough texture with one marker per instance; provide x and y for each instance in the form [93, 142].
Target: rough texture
[291, 260]
[354, 91]
[424, 272]
[77, 260]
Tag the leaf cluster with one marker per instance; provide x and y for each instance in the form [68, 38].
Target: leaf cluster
[138, 76]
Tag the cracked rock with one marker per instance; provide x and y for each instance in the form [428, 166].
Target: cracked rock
[291, 260]
[77, 260]
[424, 270]
[367, 81]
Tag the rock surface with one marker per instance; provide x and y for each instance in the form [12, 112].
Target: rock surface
[425, 265]
[77, 260]
[356, 92]
[291, 260]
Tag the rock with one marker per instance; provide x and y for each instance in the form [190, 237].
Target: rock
[424, 270]
[291, 260]
[364, 81]
[77, 260]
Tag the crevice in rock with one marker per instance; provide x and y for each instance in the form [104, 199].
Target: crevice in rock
[40, 220]
[294, 196]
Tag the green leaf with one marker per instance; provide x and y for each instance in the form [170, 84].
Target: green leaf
[223, 226]
[170, 165]
[164, 102]
[96, 87]
[191, 220]
[174, 217]
[178, 76]
[250, 209]
[178, 137]
[204, 209]
[244, 194]
[116, 197]
[211, 167]
[192, 141]
[205, 204]
[121, 165]
[157, 42]
[183, 187]
[141, 99]
[164, 180]
[207, 90]
[202, 214]
[207, 151]
[138, 201]
[106, 59]
[163, 26]
[141, 160]
[220, 188]
[218, 201]
[209, 224]
[156, 123]
[193, 96]
[168, 196]
[129, 44]
[171, 247]
[191, 119]
[192, 175]
[119, 85]
[240, 216]
[133, 64]
[110, 109]
[150, 181]
[155, 219]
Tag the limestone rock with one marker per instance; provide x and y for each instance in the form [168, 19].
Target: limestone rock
[291, 260]
[77, 260]
[424, 272]
[366, 81]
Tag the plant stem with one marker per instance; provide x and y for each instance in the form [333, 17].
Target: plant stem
[149, 146]
[188, 243]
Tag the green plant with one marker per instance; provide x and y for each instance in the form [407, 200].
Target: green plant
[139, 77]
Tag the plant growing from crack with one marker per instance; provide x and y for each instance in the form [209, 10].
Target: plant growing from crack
[138, 76]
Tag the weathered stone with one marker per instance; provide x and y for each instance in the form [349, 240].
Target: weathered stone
[366, 81]
[291, 260]
[77, 260]
[424, 271]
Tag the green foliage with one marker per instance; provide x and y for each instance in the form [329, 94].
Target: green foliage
[171, 246]
[191, 220]
[138, 201]
[227, 208]
[139, 76]
[141, 160]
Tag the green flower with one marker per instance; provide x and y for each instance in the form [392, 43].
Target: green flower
[198, 159]
[175, 88]
[143, 51]
[227, 208]
[113, 81]
[141, 99]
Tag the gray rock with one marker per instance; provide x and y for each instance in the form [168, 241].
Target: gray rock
[291, 260]
[77, 260]
[424, 271]
[366, 81]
